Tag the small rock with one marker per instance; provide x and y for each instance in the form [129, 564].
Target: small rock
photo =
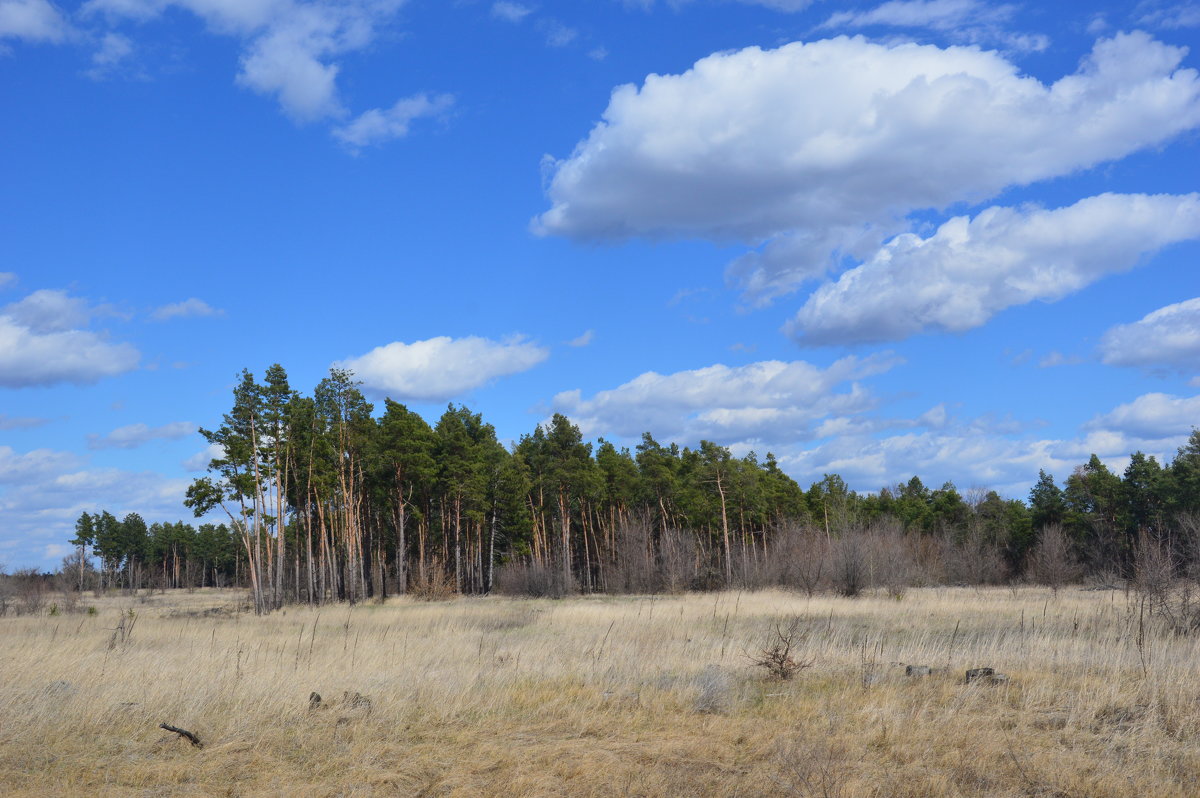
[985, 676]
[314, 701]
[917, 670]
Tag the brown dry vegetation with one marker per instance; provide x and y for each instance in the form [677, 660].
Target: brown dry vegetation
[603, 696]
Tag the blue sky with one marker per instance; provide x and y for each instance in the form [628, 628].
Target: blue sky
[940, 237]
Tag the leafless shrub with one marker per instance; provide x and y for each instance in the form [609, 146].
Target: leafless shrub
[435, 585]
[536, 580]
[30, 589]
[678, 555]
[1153, 570]
[1187, 536]
[1052, 561]
[633, 569]
[971, 559]
[647, 560]
[890, 560]
[5, 591]
[849, 566]
[1105, 546]
[1167, 596]
[67, 587]
[800, 558]
[778, 654]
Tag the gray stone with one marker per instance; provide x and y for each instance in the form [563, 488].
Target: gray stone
[917, 670]
[985, 676]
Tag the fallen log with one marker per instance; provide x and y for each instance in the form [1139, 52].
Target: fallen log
[193, 739]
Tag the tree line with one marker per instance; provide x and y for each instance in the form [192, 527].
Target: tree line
[327, 501]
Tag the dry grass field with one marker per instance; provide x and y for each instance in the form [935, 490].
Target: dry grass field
[602, 696]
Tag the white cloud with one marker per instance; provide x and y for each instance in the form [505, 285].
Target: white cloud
[114, 50]
[790, 6]
[825, 147]
[41, 343]
[33, 466]
[556, 33]
[584, 339]
[935, 14]
[441, 368]
[1174, 15]
[970, 21]
[8, 422]
[200, 460]
[189, 308]
[960, 454]
[135, 435]
[379, 125]
[1151, 417]
[510, 12]
[771, 400]
[49, 491]
[7, 279]
[1169, 337]
[29, 358]
[53, 550]
[971, 269]
[33, 20]
[48, 310]
[290, 46]
[778, 5]
[982, 452]
[1055, 358]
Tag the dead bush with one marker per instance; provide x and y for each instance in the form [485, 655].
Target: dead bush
[678, 556]
[890, 561]
[30, 589]
[779, 655]
[436, 584]
[849, 569]
[1172, 599]
[535, 580]
[1053, 562]
[799, 558]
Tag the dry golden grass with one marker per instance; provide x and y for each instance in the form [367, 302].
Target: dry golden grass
[602, 696]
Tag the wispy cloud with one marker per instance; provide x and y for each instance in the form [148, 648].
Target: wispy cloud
[972, 21]
[510, 12]
[135, 435]
[1170, 15]
[289, 51]
[114, 51]
[188, 308]
[583, 340]
[1056, 358]
[32, 20]
[384, 124]
[21, 422]
[557, 34]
